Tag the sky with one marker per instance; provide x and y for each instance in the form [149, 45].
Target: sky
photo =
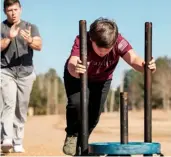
[58, 23]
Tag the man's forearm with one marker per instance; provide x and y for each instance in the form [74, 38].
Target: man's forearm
[36, 44]
[138, 64]
[4, 43]
[71, 70]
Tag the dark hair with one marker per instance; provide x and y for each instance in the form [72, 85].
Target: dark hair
[103, 32]
[8, 3]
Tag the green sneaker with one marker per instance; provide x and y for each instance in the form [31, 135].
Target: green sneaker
[70, 145]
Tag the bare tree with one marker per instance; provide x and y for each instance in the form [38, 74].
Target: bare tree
[162, 79]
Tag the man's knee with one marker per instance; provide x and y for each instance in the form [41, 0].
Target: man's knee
[74, 102]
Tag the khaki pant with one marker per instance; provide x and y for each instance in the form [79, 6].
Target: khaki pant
[15, 96]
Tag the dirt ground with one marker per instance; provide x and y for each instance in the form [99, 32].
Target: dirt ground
[44, 135]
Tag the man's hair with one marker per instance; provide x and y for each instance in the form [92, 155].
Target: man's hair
[103, 32]
[8, 3]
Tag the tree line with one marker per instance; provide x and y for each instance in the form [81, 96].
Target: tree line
[48, 94]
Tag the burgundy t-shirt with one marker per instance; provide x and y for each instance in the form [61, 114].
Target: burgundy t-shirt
[101, 68]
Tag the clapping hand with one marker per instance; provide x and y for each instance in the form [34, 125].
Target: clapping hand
[26, 34]
[13, 31]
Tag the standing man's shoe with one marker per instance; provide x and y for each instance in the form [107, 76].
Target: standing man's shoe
[18, 149]
[6, 146]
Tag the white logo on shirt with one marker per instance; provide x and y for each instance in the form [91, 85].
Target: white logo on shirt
[122, 45]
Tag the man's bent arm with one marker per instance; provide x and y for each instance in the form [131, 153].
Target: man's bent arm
[71, 66]
[134, 60]
[36, 43]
